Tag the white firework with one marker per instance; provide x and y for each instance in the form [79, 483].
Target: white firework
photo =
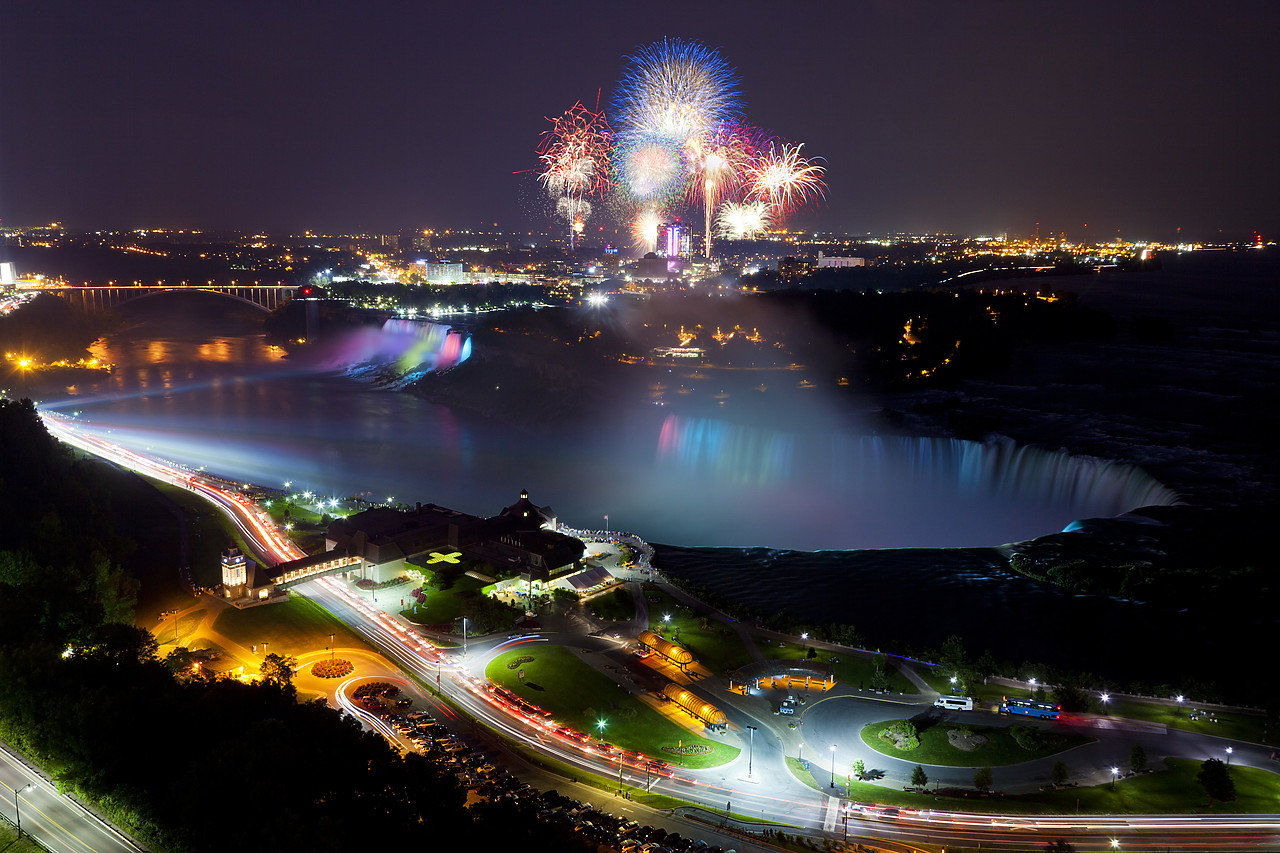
[743, 221]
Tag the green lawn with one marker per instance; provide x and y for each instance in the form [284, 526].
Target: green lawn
[578, 696]
[1235, 725]
[717, 646]
[442, 606]
[292, 627]
[808, 778]
[187, 626]
[617, 605]
[1000, 747]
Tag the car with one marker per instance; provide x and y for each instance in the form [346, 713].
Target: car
[404, 702]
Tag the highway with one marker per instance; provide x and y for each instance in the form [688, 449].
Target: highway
[772, 793]
[59, 823]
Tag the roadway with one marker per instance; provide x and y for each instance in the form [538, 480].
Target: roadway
[772, 792]
[57, 822]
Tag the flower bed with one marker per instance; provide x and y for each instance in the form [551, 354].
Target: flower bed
[332, 668]
[365, 583]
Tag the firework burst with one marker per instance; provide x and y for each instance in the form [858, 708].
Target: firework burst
[644, 230]
[650, 167]
[742, 220]
[576, 163]
[719, 165]
[784, 179]
[677, 89]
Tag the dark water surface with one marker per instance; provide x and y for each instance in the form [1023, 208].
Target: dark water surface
[200, 390]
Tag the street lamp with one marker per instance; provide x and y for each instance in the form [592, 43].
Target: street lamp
[1105, 697]
[1180, 700]
[331, 650]
[833, 765]
[17, 815]
[751, 750]
[1115, 772]
[165, 614]
[1115, 844]
[1229, 751]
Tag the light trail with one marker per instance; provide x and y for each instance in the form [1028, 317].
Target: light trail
[479, 699]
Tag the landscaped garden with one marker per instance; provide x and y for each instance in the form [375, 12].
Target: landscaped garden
[437, 607]
[927, 741]
[576, 695]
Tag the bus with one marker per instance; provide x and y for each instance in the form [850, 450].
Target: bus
[1030, 708]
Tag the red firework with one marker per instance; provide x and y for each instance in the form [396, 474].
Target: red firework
[576, 153]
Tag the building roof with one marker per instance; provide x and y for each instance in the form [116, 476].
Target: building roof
[527, 515]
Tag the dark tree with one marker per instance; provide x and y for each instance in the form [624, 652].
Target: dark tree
[918, 777]
[983, 777]
[1060, 774]
[278, 669]
[1137, 758]
[1058, 845]
[1215, 778]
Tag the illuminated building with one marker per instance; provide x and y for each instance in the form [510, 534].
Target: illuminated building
[234, 570]
[674, 240]
[825, 261]
[521, 539]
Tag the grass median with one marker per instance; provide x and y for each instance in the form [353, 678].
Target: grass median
[1171, 790]
[578, 696]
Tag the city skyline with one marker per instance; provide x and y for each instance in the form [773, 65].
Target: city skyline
[1138, 121]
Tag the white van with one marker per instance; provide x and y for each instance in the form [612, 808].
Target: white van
[954, 703]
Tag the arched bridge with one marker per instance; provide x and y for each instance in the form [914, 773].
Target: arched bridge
[93, 298]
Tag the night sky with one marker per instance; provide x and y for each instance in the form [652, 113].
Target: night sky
[972, 117]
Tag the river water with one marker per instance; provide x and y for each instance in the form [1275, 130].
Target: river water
[204, 388]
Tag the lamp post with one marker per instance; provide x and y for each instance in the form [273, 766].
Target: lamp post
[1105, 697]
[1180, 699]
[1115, 772]
[1229, 751]
[331, 649]
[833, 765]
[751, 750]
[17, 815]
